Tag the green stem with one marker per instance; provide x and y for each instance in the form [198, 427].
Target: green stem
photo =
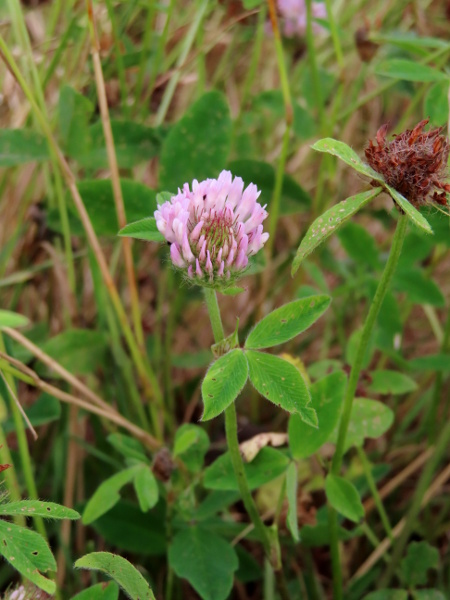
[254, 61]
[335, 35]
[289, 117]
[119, 59]
[276, 198]
[369, 324]
[313, 65]
[23, 447]
[148, 34]
[186, 47]
[374, 491]
[232, 435]
[375, 306]
[23, 38]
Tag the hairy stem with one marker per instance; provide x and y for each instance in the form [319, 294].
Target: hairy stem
[232, 436]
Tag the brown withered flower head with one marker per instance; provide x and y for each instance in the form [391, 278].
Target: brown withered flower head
[413, 162]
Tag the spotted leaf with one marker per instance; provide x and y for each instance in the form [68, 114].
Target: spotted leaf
[224, 380]
[278, 381]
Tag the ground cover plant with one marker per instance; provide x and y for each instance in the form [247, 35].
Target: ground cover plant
[224, 325]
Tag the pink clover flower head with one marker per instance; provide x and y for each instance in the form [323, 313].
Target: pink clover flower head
[294, 17]
[25, 593]
[213, 229]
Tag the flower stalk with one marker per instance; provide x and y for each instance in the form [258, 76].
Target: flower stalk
[233, 442]
[369, 324]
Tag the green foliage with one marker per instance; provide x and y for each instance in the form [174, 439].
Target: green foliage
[420, 558]
[436, 103]
[126, 527]
[197, 146]
[107, 494]
[350, 157]
[387, 595]
[19, 146]
[127, 446]
[75, 111]
[211, 571]
[329, 223]
[79, 350]
[266, 466]
[101, 591]
[191, 444]
[133, 142]
[45, 410]
[191, 89]
[119, 569]
[409, 70]
[360, 245]
[278, 381]
[139, 202]
[146, 488]
[12, 319]
[29, 553]
[294, 198]
[145, 229]
[369, 419]
[344, 497]
[36, 508]
[223, 382]
[384, 381]
[291, 494]
[284, 323]
[326, 398]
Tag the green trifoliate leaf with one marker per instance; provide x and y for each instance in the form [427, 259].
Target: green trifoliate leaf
[278, 381]
[369, 419]
[267, 465]
[349, 156]
[145, 229]
[330, 222]
[28, 553]
[191, 444]
[224, 380]
[107, 494]
[419, 559]
[206, 560]
[286, 322]
[119, 569]
[344, 497]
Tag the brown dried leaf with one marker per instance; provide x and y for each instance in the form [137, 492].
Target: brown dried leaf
[250, 448]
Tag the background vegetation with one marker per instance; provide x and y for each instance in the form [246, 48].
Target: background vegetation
[102, 108]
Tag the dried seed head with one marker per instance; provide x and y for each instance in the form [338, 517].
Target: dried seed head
[414, 162]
